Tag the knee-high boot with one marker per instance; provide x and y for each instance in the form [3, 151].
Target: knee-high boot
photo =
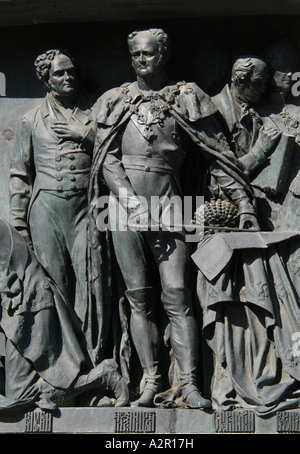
[184, 342]
[145, 338]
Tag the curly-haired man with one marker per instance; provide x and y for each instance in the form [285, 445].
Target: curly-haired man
[49, 175]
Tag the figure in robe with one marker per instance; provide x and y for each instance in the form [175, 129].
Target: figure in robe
[247, 290]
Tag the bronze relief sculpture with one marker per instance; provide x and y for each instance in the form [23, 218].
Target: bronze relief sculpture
[126, 289]
[149, 127]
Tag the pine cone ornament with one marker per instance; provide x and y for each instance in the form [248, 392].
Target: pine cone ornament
[218, 212]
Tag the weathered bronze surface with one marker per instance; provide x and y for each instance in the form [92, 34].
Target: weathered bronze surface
[110, 295]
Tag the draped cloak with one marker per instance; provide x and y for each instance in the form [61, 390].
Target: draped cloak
[196, 115]
[44, 340]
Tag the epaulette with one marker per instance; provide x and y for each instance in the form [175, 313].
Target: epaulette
[110, 106]
[193, 103]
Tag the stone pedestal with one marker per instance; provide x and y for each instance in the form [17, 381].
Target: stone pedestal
[150, 421]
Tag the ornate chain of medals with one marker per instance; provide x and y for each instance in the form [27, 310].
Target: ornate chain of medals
[159, 104]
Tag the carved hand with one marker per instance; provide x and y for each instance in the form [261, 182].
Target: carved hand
[268, 137]
[248, 221]
[139, 218]
[74, 132]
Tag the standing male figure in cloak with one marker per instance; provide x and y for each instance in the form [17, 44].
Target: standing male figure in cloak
[145, 132]
[49, 176]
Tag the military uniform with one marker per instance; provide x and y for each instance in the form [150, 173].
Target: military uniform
[141, 146]
[48, 182]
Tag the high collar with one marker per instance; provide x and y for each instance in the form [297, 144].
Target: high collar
[50, 108]
[137, 94]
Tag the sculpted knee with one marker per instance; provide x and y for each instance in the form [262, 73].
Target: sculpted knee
[142, 300]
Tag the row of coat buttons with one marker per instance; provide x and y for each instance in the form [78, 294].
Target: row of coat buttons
[60, 188]
[148, 155]
[70, 145]
[59, 158]
[71, 177]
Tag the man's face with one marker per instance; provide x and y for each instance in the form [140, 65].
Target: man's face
[146, 58]
[62, 76]
[253, 89]
[282, 78]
